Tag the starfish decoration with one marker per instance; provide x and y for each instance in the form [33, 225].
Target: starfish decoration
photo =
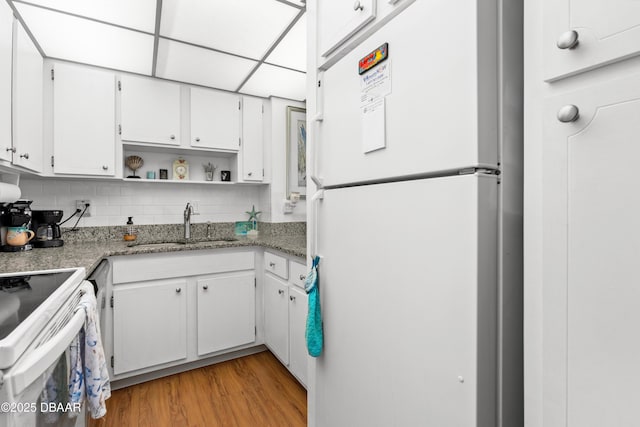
[253, 214]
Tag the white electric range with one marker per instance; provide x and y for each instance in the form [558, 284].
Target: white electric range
[38, 321]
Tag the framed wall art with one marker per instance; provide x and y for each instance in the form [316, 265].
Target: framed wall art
[296, 151]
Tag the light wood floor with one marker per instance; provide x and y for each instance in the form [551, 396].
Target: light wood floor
[254, 391]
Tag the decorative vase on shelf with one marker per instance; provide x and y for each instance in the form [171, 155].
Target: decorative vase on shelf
[134, 163]
[209, 170]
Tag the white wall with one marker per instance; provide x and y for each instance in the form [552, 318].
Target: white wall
[277, 159]
[148, 203]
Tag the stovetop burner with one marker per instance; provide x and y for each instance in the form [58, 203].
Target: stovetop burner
[14, 284]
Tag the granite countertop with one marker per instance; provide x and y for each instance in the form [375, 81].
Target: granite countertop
[89, 254]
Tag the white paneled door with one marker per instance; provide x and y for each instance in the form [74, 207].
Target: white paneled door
[591, 246]
[6, 40]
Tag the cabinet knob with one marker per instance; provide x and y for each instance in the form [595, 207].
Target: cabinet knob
[172, 137]
[250, 173]
[24, 156]
[197, 139]
[292, 298]
[105, 167]
[272, 264]
[12, 149]
[569, 113]
[357, 6]
[205, 287]
[568, 40]
[178, 290]
[302, 277]
[280, 292]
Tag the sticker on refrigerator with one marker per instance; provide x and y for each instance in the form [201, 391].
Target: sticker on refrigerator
[375, 85]
[373, 58]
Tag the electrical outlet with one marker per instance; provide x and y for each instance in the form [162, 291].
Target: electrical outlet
[80, 204]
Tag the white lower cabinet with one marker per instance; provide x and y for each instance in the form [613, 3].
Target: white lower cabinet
[149, 324]
[226, 312]
[285, 315]
[159, 321]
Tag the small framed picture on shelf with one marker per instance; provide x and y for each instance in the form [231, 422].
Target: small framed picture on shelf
[225, 176]
[164, 174]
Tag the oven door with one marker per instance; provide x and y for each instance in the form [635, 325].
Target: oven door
[35, 389]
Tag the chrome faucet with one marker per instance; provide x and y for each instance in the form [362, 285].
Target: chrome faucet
[188, 211]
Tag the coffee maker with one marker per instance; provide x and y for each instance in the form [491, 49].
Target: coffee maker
[45, 225]
[15, 217]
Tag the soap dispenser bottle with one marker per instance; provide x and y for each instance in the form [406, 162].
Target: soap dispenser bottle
[130, 234]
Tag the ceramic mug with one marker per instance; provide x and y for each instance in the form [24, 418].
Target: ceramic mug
[19, 236]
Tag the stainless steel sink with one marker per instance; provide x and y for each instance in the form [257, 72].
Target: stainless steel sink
[180, 243]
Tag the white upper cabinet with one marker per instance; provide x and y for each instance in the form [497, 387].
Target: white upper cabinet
[6, 37]
[215, 119]
[84, 136]
[339, 20]
[150, 110]
[586, 34]
[28, 141]
[252, 139]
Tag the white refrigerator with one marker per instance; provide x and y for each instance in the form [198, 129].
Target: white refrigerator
[417, 220]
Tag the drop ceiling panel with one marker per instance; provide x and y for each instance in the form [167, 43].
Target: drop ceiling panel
[138, 14]
[246, 28]
[186, 63]
[292, 50]
[76, 39]
[269, 80]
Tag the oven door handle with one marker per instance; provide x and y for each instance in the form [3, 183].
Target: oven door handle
[27, 370]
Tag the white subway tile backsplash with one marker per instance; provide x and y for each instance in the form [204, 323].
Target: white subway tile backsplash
[148, 203]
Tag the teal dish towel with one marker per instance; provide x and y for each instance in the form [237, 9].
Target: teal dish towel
[313, 333]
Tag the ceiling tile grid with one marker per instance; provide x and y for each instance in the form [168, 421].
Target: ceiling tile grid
[255, 47]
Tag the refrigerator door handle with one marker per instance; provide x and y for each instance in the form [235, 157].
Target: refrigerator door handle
[313, 244]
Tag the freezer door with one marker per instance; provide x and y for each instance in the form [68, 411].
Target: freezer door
[439, 112]
[408, 293]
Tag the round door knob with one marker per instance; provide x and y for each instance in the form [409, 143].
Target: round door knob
[292, 298]
[172, 137]
[197, 139]
[105, 167]
[12, 149]
[568, 40]
[250, 173]
[24, 156]
[568, 113]
[272, 264]
[302, 277]
[357, 6]
[280, 292]
[205, 287]
[178, 290]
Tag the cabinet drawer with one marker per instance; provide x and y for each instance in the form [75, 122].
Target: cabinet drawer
[298, 273]
[276, 264]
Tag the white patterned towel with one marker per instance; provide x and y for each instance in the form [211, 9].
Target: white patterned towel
[89, 377]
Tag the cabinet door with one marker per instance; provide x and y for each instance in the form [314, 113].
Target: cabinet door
[150, 110]
[607, 31]
[6, 40]
[84, 139]
[149, 324]
[252, 163]
[591, 238]
[226, 312]
[338, 20]
[27, 103]
[298, 358]
[215, 119]
[276, 317]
